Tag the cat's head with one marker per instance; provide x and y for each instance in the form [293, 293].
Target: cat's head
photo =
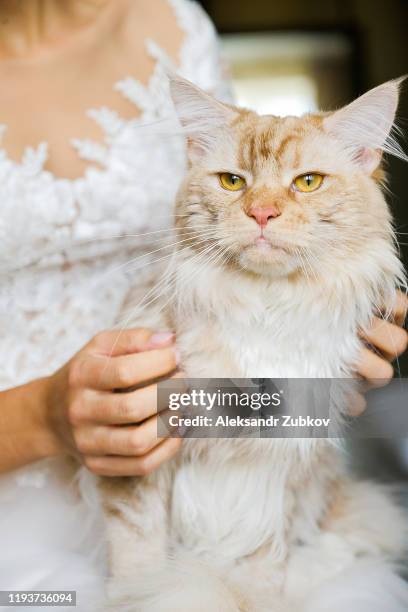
[283, 196]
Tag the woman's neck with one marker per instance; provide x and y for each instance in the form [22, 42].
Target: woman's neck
[30, 26]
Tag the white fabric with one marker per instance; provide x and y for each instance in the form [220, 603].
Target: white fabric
[63, 278]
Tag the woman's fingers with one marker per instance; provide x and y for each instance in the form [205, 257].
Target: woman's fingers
[104, 373]
[374, 368]
[357, 405]
[132, 440]
[391, 340]
[126, 341]
[134, 466]
[108, 408]
[387, 337]
[400, 308]
[124, 408]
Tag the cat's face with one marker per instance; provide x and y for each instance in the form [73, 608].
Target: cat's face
[280, 196]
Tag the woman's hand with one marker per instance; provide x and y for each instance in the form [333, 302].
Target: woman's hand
[114, 433]
[389, 340]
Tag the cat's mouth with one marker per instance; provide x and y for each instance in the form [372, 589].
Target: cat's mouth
[266, 244]
[266, 253]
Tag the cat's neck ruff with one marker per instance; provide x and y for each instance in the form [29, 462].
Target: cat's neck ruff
[308, 327]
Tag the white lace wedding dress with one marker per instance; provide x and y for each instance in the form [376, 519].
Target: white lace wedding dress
[64, 276]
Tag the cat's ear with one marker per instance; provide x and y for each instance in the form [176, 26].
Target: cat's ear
[201, 116]
[366, 126]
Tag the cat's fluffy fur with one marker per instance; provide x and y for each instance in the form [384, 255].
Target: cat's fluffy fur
[269, 525]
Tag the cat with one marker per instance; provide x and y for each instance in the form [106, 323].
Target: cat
[288, 249]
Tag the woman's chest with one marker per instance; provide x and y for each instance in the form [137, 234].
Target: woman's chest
[85, 157]
[49, 88]
[126, 202]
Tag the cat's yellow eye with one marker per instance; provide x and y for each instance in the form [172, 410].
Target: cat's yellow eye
[232, 182]
[308, 182]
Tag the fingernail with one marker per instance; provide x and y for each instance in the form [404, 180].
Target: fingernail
[160, 338]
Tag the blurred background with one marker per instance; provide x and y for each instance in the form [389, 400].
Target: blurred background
[291, 57]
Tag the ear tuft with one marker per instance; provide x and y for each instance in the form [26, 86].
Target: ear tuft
[366, 126]
[201, 116]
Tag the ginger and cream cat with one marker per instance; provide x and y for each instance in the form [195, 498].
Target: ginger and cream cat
[287, 250]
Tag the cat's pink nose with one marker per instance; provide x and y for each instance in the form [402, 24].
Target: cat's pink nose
[263, 215]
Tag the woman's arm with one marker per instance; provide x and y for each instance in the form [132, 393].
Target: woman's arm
[25, 431]
[76, 411]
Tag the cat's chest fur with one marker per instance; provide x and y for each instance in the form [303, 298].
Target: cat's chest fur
[265, 329]
[256, 349]
[211, 518]
[232, 498]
